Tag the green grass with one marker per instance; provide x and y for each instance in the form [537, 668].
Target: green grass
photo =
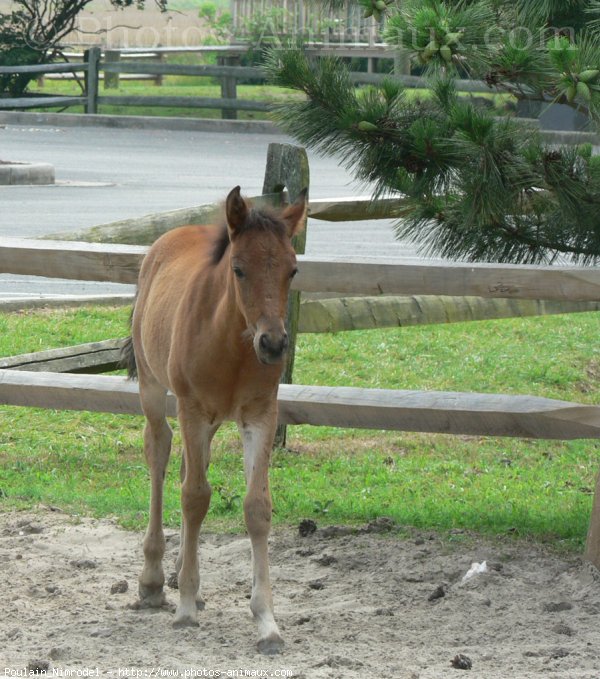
[93, 463]
[174, 86]
[182, 86]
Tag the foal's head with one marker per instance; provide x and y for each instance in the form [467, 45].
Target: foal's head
[262, 264]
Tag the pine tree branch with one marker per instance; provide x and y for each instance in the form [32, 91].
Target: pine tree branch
[479, 188]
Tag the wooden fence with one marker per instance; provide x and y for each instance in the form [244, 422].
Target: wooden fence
[443, 412]
[112, 64]
[298, 18]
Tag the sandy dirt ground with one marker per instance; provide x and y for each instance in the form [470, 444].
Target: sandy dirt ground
[351, 603]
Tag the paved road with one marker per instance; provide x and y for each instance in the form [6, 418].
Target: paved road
[108, 174]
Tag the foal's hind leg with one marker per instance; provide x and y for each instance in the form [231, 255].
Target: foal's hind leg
[258, 441]
[157, 448]
[197, 435]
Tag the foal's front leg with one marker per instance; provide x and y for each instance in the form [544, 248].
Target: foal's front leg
[197, 434]
[258, 438]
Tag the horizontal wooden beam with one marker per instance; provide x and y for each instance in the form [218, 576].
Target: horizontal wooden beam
[184, 102]
[345, 275]
[417, 82]
[67, 259]
[209, 70]
[438, 412]
[435, 412]
[41, 102]
[336, 314]
[140, 230]
[378, 276]
[146, 229]
[356, 209]
[316, 316]
[44, 68]
[89, 358]
[94, 393]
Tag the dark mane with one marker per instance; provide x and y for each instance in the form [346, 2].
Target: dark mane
[262, 219]
[220, 245]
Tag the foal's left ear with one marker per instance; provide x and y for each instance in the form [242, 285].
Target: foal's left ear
[236, 211]
[294, 215]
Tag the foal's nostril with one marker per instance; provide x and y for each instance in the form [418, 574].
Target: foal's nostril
[274, 346]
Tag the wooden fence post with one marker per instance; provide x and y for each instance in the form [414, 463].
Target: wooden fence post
[111, 80]
[592, 547]
[287, 168]
[158, 78]
[92, 59]
[228, 86]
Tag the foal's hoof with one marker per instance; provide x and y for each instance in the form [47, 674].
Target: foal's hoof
[151, 597]
[185, 621]
[271, 645]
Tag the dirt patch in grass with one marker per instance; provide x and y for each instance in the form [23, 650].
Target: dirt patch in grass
[351, 603]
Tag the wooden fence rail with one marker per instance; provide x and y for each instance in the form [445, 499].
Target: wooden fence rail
[349, 275]
[115, 63]
[396, 410]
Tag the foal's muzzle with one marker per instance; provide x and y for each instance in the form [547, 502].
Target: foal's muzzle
[271, 347]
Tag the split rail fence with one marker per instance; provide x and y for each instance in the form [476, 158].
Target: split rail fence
[436, 412]
[113, 63]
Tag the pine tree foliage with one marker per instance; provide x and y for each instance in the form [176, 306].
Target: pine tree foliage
[480, 188]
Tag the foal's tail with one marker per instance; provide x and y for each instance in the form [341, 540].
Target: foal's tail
[127, 354]
[127, 359]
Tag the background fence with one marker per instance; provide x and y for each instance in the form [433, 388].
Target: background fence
[296, 18]
[109, 66]
[443, 412]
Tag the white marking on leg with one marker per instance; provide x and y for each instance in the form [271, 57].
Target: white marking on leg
[258, 440]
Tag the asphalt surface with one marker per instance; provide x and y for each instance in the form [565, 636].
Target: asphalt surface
[104, 175]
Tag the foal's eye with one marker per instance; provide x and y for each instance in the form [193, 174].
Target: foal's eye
[238, 272]
[294, 272]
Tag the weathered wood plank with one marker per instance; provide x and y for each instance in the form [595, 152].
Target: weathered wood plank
[377, 276]
[21, 302]
[44, 68]
[436, 412]
[592, 548]
[66, 259]
[94, 393]
[228, 85]
[141, 230]
[361, 313]
[348, 275]
[184, 102]
[209, 70]
[356, 209]
[92, 58]
[146, 229]
[41, 102]
[287, 168]
[415, 81]
[120, 263]
[89, 358]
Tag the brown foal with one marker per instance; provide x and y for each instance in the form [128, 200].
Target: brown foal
[208, 325]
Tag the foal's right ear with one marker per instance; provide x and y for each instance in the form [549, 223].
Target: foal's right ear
[236, 212]
[294, 215]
